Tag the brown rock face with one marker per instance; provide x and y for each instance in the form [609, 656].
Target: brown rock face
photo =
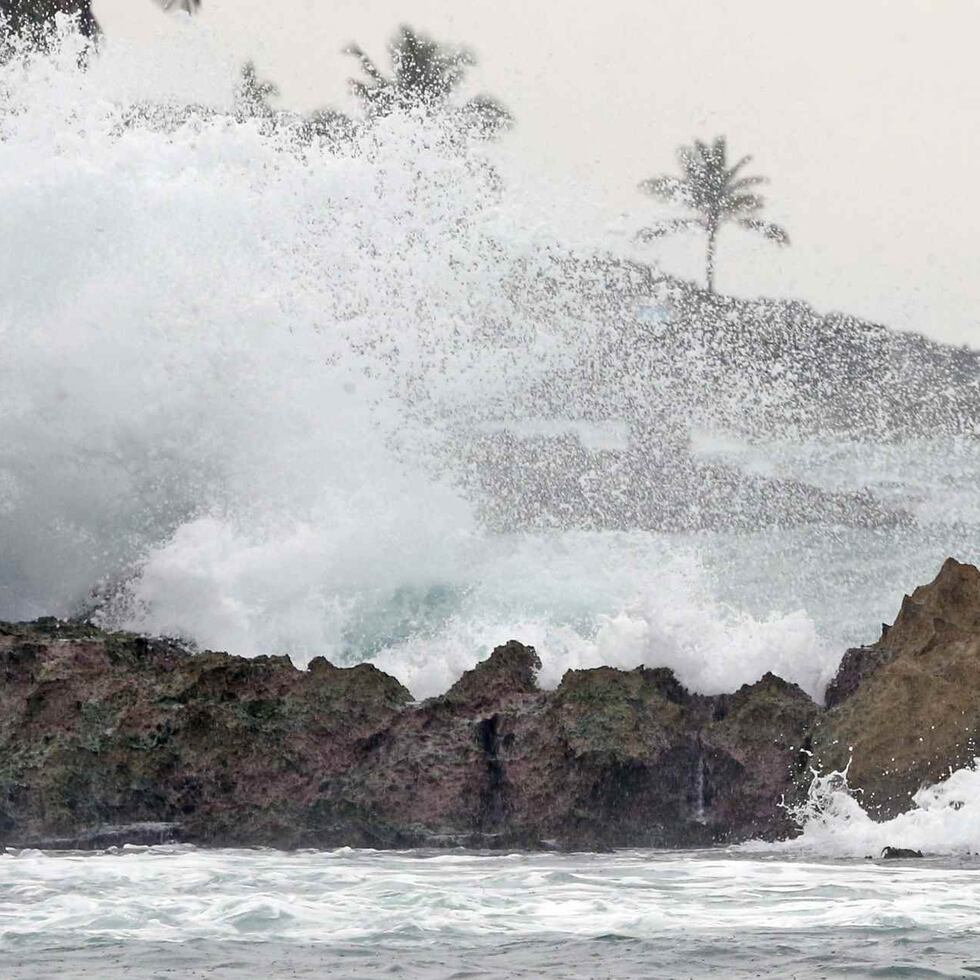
[107, 736]
[907, 708]
[509, 672]
[754, 736]
[101, 729]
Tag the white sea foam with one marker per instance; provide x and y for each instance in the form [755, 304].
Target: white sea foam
[407, 900]
[944, 820]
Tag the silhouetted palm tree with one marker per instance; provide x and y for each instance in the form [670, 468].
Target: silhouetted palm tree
[425, 74]
[36, 17]
[716, 193]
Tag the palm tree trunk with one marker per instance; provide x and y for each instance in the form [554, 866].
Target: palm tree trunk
[710, 275]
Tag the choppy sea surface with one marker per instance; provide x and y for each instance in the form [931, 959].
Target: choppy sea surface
[180, 912]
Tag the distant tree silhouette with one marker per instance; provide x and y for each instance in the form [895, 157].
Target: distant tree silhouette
[253, 94]
[34, 18]
[330, 125]
[425, 74]
[716, 194]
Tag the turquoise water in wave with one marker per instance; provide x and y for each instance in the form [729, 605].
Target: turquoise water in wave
[180, 912]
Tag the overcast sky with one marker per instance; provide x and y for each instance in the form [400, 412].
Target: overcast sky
[865, 114]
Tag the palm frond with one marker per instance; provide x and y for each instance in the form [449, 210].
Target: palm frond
[367, 65]
[252, 93]
[666, 188]
[734, 204]
[187, 6]
[425, 69]
[744, 183]
[732, 171]
[693, 164]
[689, 156]
[425, 74]
[486, 116]
[719, 153]
[664, 228]
[773, 232]
[359, 90]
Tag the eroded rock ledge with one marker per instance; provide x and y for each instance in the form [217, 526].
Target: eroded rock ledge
[112, 737]
[907, 709]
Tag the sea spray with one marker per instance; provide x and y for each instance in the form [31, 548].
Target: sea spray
[242, 371]
[235, 333]
[944, 820]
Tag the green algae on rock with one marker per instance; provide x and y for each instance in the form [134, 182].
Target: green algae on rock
[102, 731]
[114, 737]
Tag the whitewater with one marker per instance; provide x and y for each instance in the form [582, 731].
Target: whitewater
[238, 369]
[241, 374]
[180, 912]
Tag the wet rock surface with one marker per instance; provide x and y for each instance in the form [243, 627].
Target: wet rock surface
[109, 738]
[906, 710]
[899, 853]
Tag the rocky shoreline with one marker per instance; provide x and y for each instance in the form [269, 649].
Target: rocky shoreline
[109, 738]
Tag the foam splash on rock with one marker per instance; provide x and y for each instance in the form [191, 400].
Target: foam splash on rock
[944, 819]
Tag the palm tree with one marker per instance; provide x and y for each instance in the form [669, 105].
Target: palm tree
[716, 194]
[36, 17]
[425, 74]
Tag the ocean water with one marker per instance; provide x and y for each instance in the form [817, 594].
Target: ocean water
[821, 904]
[176, 912]
[240, 372]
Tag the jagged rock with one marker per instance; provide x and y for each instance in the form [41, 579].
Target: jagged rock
[510, 670]
[100, 730]
[629, 758]
[757, 738]
[608, 760]
[857, 664]
[102, 734]
[898, 853]
[611, 758]
[907, 709]
[545, 482]
[670, 343]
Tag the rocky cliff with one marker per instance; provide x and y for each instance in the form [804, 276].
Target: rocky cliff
[101, 731]
[108, 737]
[907, 709]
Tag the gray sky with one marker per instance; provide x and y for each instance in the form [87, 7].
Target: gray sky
[865, 114]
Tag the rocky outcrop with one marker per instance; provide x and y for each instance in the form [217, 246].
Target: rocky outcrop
[105, 734]
[110, 737]
[106, 729]
[756, 365]
[907, 709]
[752, 736]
